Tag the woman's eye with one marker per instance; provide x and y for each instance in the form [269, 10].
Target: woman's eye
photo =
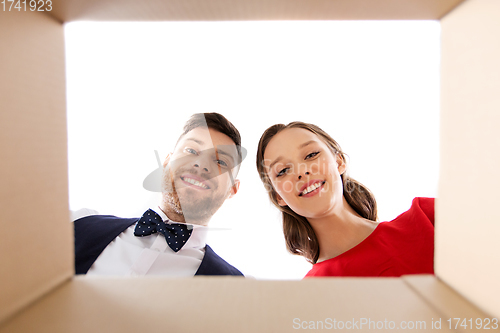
[282, 172]
[311, 155]
[191, 151]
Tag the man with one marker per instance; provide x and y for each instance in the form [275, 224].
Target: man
[169, 240]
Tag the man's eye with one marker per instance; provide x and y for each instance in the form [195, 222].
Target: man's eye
[191, 151]
[222, 163]
[282, 172]
[311, 155]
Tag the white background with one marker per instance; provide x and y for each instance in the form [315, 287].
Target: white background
[372, 85]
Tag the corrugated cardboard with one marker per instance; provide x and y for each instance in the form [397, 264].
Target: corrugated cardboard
[443, 299]
[226, 305]
[36, 268]
[467, 247]
[36, 238]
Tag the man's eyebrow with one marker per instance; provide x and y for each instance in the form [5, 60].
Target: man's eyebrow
[195, 140]
[220, 151]
[305, 144]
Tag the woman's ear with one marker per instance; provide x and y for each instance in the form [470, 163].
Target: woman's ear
[340, 161]
[280, 200]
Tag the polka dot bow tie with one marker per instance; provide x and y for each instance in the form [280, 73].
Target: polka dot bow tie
[175, 234]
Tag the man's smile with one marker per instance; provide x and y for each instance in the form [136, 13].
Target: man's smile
[195, 182]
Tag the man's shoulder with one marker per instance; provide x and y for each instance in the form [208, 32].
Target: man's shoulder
[105, 218]
[82, 212]
[103, 222]
[87, 215]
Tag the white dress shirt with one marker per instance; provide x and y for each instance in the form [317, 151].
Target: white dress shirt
[129, 255]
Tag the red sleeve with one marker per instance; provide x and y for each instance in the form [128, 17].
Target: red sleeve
[427, 206]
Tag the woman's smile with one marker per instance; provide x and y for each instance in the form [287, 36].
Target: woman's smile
[311, 188]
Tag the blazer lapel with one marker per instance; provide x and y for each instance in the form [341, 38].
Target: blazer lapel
[212, 264]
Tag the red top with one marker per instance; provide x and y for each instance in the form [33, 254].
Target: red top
[402, 246]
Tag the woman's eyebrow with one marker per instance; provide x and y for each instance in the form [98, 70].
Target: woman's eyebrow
[275, 161]
[306, 144]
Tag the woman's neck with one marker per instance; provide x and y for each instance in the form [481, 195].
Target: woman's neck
[340, 231]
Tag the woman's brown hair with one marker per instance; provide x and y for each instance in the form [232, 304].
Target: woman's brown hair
[299, 235]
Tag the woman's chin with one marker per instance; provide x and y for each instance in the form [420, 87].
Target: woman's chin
[317, 208]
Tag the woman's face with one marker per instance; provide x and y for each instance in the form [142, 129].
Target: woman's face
[304, 172]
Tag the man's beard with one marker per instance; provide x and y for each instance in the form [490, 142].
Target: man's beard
[194, 210]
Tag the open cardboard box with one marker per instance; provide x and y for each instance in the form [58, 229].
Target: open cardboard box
[38, 292]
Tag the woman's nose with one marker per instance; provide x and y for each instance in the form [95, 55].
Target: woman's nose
[305, 173]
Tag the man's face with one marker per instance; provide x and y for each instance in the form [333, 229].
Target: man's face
[199, 175]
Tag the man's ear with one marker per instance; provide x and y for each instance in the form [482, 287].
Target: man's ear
[234, 189]
[167, 159]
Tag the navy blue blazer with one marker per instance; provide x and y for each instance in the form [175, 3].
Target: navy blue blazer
[93, 233]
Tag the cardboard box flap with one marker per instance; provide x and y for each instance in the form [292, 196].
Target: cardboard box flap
[226, 304]
[219, 10]
[37, 239]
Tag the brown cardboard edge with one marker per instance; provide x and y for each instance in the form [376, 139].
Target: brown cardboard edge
[224, 10]
[444, 299]
[35, 297]
[54, 17]
[29, 35]
[466, 237]
[452, 9]
[98, 304]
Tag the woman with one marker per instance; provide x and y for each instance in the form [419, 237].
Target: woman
[331, 219]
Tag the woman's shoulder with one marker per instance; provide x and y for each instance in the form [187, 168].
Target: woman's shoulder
[420, 207]
[425, 206]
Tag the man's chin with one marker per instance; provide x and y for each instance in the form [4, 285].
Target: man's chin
[197, 205]
[199, 211]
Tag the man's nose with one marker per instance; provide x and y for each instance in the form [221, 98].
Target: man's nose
[202, 163]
